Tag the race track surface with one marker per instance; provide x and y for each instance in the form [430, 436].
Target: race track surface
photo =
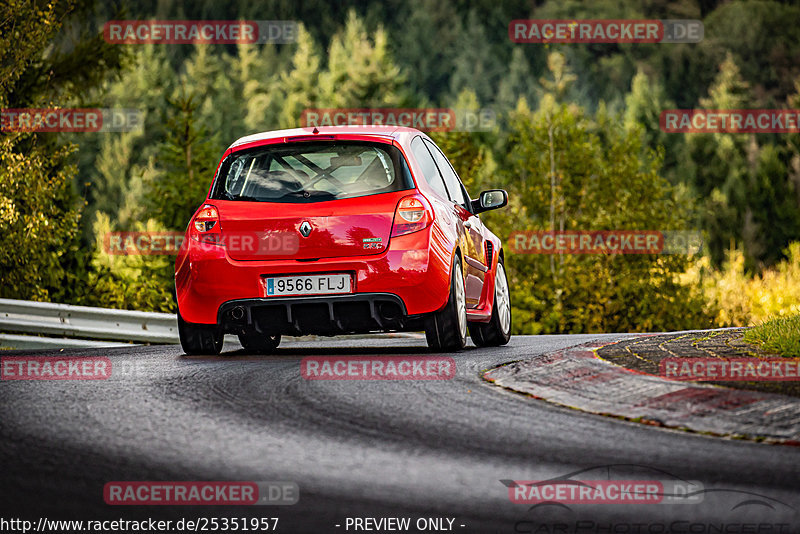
[357, 449]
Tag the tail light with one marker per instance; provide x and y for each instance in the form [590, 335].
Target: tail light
[413, 214]
[205, 225]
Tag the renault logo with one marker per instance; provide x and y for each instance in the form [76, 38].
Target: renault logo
[305, 228]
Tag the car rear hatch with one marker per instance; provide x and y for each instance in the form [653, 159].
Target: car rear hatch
[337, 228]
[310, 198]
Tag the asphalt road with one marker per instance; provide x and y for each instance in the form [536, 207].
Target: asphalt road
[357, 449]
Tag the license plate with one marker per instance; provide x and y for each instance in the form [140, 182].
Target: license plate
[317, 284]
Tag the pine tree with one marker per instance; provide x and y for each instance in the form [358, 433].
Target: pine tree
[259, 73]
[186, 164]
[211, 82]
[643, 107]
[361, 71]
[518, 83]
[719, 166]
[425, 33]
[300, 81]
[474, 65]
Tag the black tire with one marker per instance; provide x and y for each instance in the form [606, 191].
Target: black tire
[259, 343]
[498, 330]
[446, 330]
[199, 339]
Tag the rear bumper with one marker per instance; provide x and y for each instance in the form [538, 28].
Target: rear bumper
[320, 315]
[411, 271]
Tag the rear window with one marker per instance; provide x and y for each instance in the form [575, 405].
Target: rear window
[312, 172]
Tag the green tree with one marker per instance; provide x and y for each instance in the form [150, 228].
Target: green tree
[764, 38]
[517, 83]
[467, 151]
[38, 218]
[185, 166]
[474, 65]
[133, 282]
[360, 70]
[39, 211]
[569, 171]
[425, 33]
[721, 167]
[141, 86]
[643, 107]
[259, 72]
[300, 82]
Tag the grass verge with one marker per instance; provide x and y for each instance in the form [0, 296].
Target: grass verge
[779, 335]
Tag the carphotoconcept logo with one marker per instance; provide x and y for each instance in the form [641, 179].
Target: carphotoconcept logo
[425, 119]
[730, 120]
[133, 493]
[200, 31]
[71, 120]
[54, 368]
[569, 503]
[605, 242]
[560, 31]
[378, 368]
[731, 369]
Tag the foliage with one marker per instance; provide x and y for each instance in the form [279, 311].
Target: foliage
[39, 213]
[569, 172]
[186, 161]
[781, 335]
[361, 71]
[36, 220]
[744, 300]
[135, 282]
[743, 182]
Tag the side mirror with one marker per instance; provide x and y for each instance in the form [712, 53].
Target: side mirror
[490, 200]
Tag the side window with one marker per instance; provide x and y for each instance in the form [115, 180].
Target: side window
[450, 177]
[429, 171]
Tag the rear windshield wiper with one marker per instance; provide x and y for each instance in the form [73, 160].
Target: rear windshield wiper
[309, 194]
[247, 198]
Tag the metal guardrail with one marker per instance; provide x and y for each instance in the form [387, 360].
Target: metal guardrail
[20, 342]
[82, 323]
[85, 322]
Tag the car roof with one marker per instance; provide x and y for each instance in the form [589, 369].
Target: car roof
[390, 132]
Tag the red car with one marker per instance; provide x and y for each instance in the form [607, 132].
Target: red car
[349, 229]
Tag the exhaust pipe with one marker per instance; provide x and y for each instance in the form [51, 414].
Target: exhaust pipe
[389, 311]
[238, 313]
